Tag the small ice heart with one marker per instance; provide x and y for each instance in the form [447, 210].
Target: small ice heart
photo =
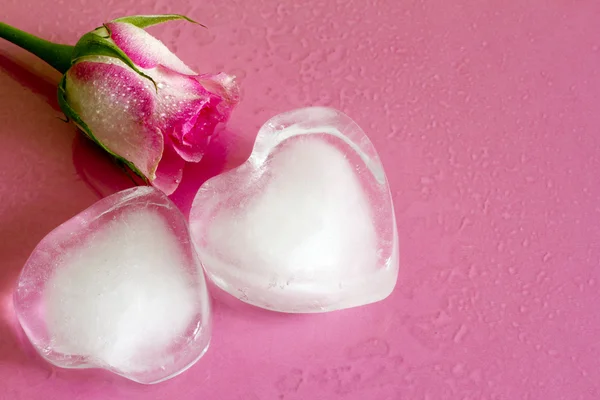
[118, 287]
[306, 224]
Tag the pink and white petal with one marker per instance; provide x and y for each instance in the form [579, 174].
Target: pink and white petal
[169, 172]
[191, 139]
[117, 105]
[223, 85]
[144, 49]
[180, 98]
[188, 113]
[221, 97]
[174, 87]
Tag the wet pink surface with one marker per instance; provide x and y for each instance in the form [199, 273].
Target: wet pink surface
[486, 117]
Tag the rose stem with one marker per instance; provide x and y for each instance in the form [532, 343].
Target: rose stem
[57, 55]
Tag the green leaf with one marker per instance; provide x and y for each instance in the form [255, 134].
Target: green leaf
[144, 21]
[73, 116]
[95, 44]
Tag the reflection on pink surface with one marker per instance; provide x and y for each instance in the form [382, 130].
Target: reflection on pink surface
[485, 115]
[218, 158]
[102, 174]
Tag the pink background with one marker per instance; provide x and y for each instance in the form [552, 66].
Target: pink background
[486, 116]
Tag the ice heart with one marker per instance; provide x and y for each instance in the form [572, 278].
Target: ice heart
[306, 224]
[118, 287]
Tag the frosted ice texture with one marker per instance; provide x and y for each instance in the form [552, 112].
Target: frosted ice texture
[118, 287]
[306, 224]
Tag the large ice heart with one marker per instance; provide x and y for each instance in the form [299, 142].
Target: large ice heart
[118, 287]
[306, 224]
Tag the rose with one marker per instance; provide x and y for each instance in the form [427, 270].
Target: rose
[144, 106]
[126, 91]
